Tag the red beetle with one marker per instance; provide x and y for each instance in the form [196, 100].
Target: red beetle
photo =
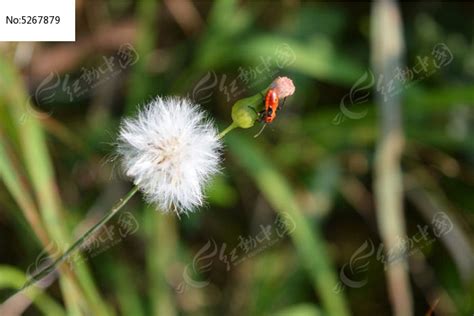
[271, 108]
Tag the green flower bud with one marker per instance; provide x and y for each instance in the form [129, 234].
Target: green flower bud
[245, 111]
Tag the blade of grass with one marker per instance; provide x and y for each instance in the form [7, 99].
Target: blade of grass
[10, 277]
[387, 49]
[428, 197]
[307, 237]
[270, 270]
[40, 170]
[128, 295]
[162, 245]
[147, 13]
[7, 85]
[300, 310]
[16, 185]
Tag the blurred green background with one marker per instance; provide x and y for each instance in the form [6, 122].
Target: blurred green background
[307, 181]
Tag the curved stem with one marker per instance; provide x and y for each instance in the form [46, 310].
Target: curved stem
[114, 210]
[228, 129]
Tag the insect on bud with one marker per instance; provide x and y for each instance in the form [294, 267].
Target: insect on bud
[245, 112]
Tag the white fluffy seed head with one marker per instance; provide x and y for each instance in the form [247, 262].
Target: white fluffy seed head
[170, 150]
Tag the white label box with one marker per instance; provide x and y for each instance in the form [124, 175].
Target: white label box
[37, 21]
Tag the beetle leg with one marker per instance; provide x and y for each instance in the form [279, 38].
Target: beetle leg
[261, 115]
[252, 108]
[261, 130]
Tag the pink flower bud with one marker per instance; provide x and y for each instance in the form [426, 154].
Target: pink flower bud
[283, 86]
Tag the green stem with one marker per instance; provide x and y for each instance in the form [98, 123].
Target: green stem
[228, 129]
[114, 210]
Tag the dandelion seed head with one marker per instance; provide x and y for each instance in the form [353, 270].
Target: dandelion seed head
[170, 150]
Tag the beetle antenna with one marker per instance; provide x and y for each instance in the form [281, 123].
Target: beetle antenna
[261, 130]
